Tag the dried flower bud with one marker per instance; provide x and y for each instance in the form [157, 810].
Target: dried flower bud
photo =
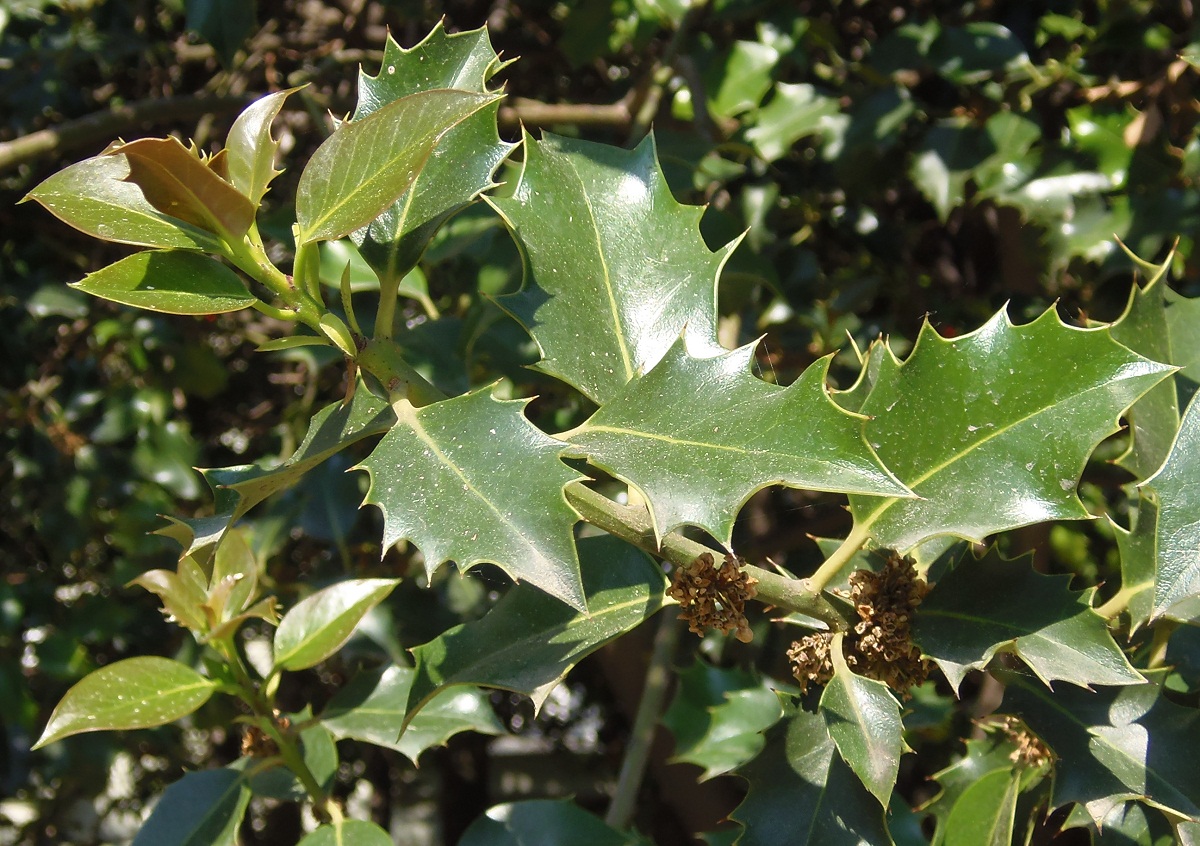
[712, 598]
[810, 659]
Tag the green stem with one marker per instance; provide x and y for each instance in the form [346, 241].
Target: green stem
[251, 259]
[271, 311]
[650, 707]
[1119, 602]
[385, 317]
[835, 562]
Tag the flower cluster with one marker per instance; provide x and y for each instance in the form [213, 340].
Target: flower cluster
[714, 598]
[1030, 753]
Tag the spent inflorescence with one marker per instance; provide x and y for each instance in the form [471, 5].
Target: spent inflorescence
[712, 597]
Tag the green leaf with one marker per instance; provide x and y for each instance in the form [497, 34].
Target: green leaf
[944, 160]
[989, 605]
[134, 693]
[461, 494]
[170, 281]
[544, 822]
[466, 157]
[225, 24]
[614, 267]
[863, 718]
[367, 164]
[183, 593]
[992, 429]
[528, 642]
[1126, 825]
[372, 708]
[1176, 486]
[320, 624]
[348, 833]
[985, 813]
[320, 755]
[96, 197]
[250, 148]
[984, 757]
[802, 793]
[203, 808]
[1183, 322]
[1137, 549]
[742, 79]
[795, 112]
[698, 436]
[718, 717]
[1114, 744]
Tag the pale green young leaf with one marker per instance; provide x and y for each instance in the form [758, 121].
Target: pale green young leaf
[140, 692]
[530, 641]
[863, 718]
[470, 479]
[318, 625]
[204, 808]
[542, 822]
[345, 832]
[699, 435]
[992, 429]
[251, 149]
[1176, 486]
[614, 267]
[170, 281]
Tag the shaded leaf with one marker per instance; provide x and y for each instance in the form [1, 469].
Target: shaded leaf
[461, 494]
[203, 808]
[741, 79]
[984, 757]
[863, 718]
[794, 112]
[615, 268]
[251, 149]
[134, 693]
[985, 813]
[320, 624]
[171, 281]
[1137, 549]
[1019, 410]
[989, 605]
[544, 822]
[348, 833]
[1131, 824]
[1177, 535]
[1183, 322]
[698, 436]
[529, 641]
[225, 24]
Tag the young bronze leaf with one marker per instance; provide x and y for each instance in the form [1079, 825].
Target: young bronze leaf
[1177, 536]
[170, 281]
[250, 148]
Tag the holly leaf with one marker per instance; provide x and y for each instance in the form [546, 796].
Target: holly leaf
[343, 832]
[614, 267]
[1113, 744]
[989, 605]
[698, 436]
[529, 642]
[169, 281]
[984, 758]
[466, 157]
[250, 148]
[985, 814]
[204, 808]
[794, 112]
[1137, 549]
[461, 494]
[372, 708]
[140, 692]
[540, 822]
[1126, 825]
[718, 716]
[318, 625]
[1176, 486]
[992, 429]
[368, 164]
[802, 793]
[1183, 318]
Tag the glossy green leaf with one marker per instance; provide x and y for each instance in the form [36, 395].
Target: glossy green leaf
[1131, 824]
[1137, 549]
[794, 112]
[742, 79]
[985, 813]
[544, 822]
[348, 833]
[373, 705]
[863, 718]
[615, 268]
[989, 605]
[802, 793]
[461, 166]
[95, 196]
[984, 758]
[134, 693]
[1113, 744]
[718, 716]
[992, 429]
[1183, 322]
[318, 625]
[250, 148]
[204, 808]
[530, 641]
[367, 164]
[171, 281]
[698, 436]
[1177, 535]
[471, 479]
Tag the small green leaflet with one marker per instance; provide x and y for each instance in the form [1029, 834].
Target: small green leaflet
[1176, 486]
[614, 267]
[318, 625]
[471, 479]
[542, 822]
[699, 436]
[204, 808]
[250, 148]
[992, 429]
[170, 281]
[992, 605]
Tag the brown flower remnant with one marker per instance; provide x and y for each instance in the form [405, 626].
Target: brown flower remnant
[880, 645]
[1030, 753]
[256, 743]
[712, 598]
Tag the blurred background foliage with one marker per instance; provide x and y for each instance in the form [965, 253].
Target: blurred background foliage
[880, 161]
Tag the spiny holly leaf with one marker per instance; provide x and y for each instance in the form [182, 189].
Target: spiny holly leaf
[318, 625]
[1177, 536]
[471, 479]
[542, 822]
[170, 281]
[343, 832]
[204, 808]
[1113, 744]
[368, 164]
[992, 429]
[373, 705]
[1137, 549]
[984, 758]
[140, 692]
[1183, 322]
[461, 166]
[989, 605]
[92, 195]
[699, 436]
[1131, 824]
[251, 149]
[802, 793]
[529, 641]
[718, 716]
[615, 268]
